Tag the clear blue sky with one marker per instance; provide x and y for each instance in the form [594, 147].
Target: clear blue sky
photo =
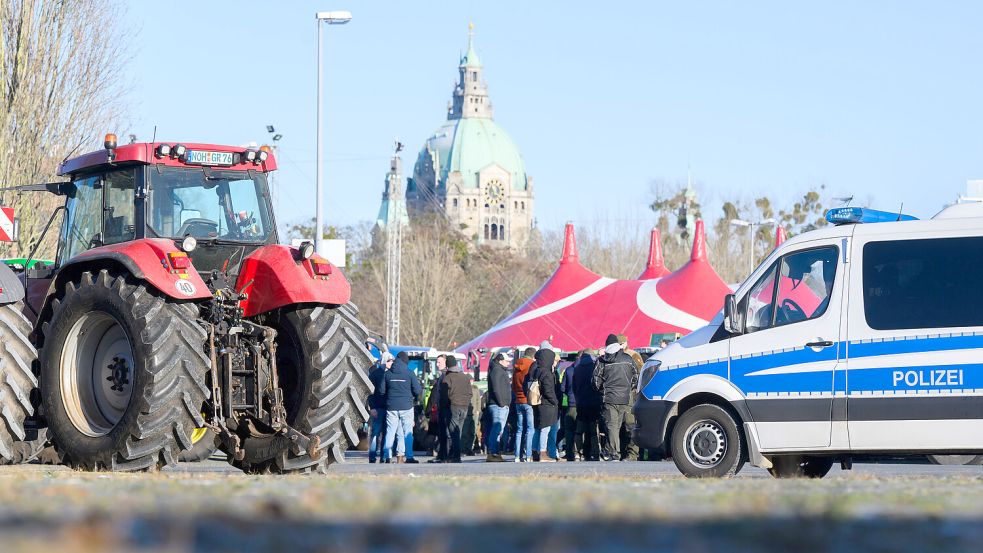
[883, 100]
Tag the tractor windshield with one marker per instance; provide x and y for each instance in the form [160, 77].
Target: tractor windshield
[209, 204]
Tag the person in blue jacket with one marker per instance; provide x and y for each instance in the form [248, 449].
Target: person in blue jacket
[400, 389]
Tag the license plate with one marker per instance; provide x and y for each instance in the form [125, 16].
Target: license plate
[204, 157]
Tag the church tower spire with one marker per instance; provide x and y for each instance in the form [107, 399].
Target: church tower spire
[471, 92]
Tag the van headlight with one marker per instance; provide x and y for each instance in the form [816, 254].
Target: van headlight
[648, 371]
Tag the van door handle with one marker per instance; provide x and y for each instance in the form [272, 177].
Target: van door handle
[820, 344]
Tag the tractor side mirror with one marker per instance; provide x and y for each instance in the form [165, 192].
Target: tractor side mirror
[732, 323]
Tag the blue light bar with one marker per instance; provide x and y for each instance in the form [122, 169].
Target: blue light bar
[854, 215]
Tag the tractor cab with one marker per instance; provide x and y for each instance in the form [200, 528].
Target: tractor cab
[216, 195]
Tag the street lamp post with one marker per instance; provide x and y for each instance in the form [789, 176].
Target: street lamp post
[751, 226]
[331, 18]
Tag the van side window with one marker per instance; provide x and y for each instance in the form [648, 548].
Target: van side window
[932, 283]
[796, 288]
[760, 302]
[805, 285]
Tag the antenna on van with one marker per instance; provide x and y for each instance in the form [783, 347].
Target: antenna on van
[900, 210]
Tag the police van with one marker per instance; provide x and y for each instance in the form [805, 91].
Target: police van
[863, 338]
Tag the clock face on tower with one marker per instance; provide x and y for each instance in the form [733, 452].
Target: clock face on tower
[494, 192]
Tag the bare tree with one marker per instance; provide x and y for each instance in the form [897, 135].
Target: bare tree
[61, 87]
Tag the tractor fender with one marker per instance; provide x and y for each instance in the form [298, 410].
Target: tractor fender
[276, 275]
[11, 287]
[145, 259]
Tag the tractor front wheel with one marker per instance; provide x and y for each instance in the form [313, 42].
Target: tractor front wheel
[123, 375]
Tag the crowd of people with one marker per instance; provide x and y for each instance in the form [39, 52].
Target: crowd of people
[535, 408]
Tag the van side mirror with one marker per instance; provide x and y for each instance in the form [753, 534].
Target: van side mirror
[731, 322]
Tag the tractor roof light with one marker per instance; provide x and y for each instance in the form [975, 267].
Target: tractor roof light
[163, 150]
[261, 156]
[306, 250]
[179, 150]
[249, 155]
[109, 142]
[188, 244]
[265, 148]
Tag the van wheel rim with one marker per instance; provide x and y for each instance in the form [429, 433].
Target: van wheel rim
[96, 373]
[706, 444]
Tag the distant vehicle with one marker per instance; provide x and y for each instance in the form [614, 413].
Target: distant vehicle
[857, 340]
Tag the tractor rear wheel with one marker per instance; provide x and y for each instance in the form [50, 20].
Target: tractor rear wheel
[323, 366]
[17, 380]
[123, 375]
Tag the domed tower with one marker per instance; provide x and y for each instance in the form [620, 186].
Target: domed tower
[471, 170]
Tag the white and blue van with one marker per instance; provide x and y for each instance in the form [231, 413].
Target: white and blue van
[864, 338]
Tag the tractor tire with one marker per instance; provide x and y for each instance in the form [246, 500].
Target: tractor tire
[123, 375]
[17, 381]
[26, 451]
[203, 446]
[323, 370]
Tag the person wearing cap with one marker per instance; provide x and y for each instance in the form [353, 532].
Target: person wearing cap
[401, 389]
[455, 399]
[629, 448]
[615, 375]
[499, 398]
[524, 425]
[377, 407]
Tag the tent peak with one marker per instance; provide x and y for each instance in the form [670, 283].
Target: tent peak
[699, 243]
[780, 236]
[569, 254]
[656, 258]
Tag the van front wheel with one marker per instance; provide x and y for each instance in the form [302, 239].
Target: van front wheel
[707, 443]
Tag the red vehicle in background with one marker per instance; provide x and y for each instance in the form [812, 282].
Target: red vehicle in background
[172, 315]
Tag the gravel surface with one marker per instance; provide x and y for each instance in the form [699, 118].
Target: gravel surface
[475, 506]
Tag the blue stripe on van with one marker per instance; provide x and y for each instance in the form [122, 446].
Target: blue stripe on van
[860, 380]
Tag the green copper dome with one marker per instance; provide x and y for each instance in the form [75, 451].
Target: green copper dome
[469, 145]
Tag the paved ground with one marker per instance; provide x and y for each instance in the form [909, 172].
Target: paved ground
[475, 506]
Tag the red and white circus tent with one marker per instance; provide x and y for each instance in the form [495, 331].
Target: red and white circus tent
[579, 308]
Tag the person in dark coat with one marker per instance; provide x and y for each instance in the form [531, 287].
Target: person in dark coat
[455, 399]
[546, 414]
[499, 398]
[615, 376]
[573, 435]
[401, 389]
[377, 407]
[588, 405]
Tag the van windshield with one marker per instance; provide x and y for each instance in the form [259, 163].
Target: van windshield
[209, 204]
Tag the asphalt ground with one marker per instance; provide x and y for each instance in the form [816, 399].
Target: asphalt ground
[478, 506]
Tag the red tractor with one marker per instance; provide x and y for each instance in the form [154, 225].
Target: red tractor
[172, 314]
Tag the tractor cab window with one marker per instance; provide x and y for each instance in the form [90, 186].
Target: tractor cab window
[209, 204]
[82, 227]
[120, 225]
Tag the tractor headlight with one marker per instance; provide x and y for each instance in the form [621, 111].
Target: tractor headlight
[163, 150]
[249, 155]
[179, 150]
[306, 250]
[189, 244]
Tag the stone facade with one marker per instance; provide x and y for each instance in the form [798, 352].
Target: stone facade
[471, 171]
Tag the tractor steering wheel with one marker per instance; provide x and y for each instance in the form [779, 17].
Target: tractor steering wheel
[199, 227]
